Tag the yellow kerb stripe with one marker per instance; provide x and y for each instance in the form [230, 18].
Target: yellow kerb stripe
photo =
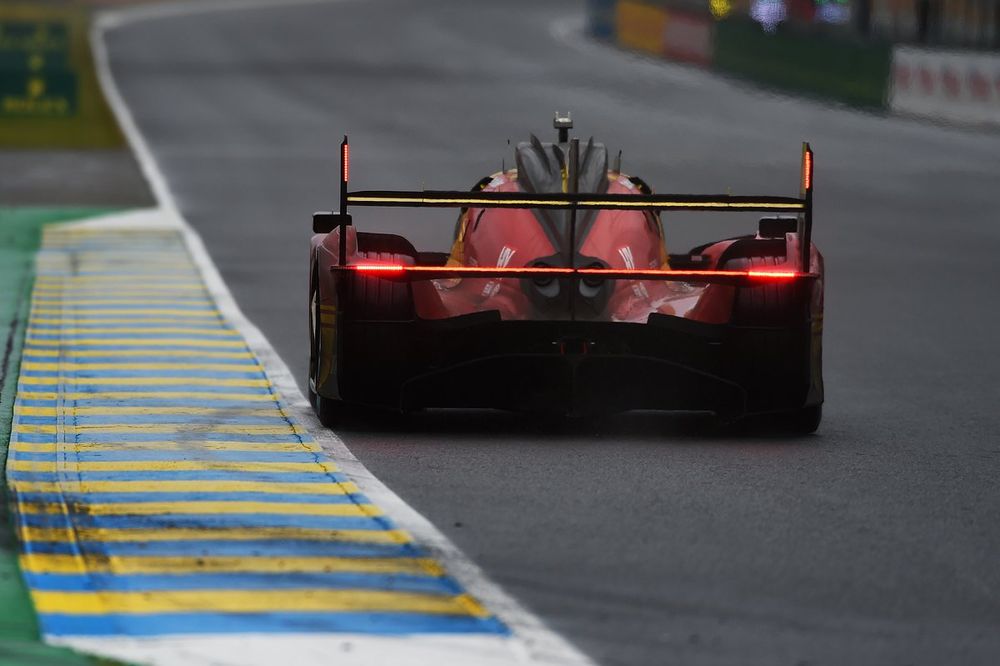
[169, 466]
[193, 396]
[64, 535]
[194, 447]
[191, 314]
[131, 330]
[319, 488]
[131, 365]
[77, 302]
[254, 601]
[135, 342]
[133, 353]
[130, 279]
[159, 428]
[101, 321]
[68, 564]
[220, 507]
[60, 288]
[180, 409]
[146, 381]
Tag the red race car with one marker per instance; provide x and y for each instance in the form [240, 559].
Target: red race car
[559, 296]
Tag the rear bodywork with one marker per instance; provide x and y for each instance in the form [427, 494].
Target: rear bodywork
[562, 297]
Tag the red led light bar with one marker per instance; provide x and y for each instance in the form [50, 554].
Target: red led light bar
[428, 272]
[378, 268]
[345, 158]
[807, 170]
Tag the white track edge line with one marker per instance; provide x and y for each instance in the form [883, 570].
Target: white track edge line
[540, 644]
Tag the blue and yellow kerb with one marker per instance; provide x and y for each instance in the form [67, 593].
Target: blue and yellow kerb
[162, 488]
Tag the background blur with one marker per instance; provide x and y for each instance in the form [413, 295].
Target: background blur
[933, 58]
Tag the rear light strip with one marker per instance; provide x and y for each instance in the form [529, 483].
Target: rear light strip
[426, 272]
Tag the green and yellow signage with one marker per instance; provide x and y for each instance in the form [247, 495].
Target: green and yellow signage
[49, 95]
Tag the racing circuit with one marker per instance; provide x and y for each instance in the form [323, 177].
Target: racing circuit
[642, 538]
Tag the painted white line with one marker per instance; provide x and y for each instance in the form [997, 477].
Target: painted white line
[531, 643]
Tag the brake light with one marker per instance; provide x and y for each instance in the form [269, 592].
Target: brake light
[610, 273]
[379, 268]
[807, 169]
[773, 275]
[345, 157]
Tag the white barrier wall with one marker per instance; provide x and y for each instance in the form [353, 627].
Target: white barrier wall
[953, 86]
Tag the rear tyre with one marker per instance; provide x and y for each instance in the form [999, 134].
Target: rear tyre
[764, 305]
[373, 298]
[329, 411]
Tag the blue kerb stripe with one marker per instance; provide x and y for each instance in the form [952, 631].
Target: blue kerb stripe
[37, 438]
[226, 548]
[243, 581]
[217, 623]
[202, 455]
[198, 475]
[138, 498]
[196, 521]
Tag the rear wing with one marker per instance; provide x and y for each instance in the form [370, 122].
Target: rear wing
[797, 267]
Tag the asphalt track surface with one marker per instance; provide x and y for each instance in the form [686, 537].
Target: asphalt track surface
[644, 539]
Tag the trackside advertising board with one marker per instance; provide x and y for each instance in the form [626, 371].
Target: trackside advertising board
[953, 86]
[49, 95]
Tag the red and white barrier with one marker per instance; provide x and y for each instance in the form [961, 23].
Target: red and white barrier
[953, 86]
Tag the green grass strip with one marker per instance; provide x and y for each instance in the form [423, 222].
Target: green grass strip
[20, 236]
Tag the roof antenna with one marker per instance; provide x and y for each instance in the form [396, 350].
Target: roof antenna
[618, 163]
[563, 123]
